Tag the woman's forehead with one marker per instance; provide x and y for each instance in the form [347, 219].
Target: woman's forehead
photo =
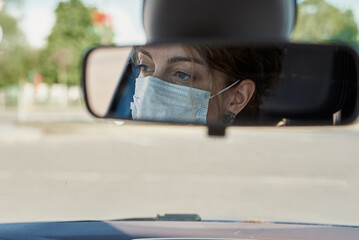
[170, 51]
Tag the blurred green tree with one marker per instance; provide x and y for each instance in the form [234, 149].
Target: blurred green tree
[11, 3]
[17, 59]
[318, 21]
[71, 36]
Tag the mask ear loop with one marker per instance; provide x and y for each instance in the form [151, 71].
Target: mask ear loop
[191, 84]
[225, 89]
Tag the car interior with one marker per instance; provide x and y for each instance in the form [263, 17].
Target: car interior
[317, 86]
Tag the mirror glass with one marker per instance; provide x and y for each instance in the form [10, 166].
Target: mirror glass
[104, 66]
[223, 84]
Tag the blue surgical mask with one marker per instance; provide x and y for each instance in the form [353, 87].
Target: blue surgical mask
[158, 100]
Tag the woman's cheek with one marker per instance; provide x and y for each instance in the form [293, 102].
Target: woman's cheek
[213, 111]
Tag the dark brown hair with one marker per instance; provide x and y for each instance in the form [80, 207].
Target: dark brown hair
[262, 65]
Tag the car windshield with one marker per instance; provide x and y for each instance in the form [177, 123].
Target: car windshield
[59, 163]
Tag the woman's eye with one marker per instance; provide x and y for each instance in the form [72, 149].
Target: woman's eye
[144, 68]
[183, 75]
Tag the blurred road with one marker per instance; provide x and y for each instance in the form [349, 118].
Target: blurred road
[100, 170]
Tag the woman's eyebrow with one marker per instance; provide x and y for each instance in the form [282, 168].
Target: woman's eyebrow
[143, 51]
[184, 59]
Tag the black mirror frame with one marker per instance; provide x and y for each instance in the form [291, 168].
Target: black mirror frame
[349, 101]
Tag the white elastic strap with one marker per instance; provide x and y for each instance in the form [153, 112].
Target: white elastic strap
[223, 90]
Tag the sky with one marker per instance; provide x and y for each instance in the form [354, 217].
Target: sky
[126, 15]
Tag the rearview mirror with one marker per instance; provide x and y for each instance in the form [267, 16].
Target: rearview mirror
[295, 84]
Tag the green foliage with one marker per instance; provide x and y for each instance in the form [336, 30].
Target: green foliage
[16, 58]
[319, 21]
[70, 38]
[14, 3]
[60, 61]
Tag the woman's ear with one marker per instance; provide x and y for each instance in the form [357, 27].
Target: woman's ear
[240, 96]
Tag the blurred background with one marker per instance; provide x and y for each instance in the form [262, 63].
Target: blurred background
[42, 44]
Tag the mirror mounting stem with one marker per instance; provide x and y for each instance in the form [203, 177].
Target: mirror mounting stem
[217, 130]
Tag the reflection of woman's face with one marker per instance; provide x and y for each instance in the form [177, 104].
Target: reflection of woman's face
[174, 64]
